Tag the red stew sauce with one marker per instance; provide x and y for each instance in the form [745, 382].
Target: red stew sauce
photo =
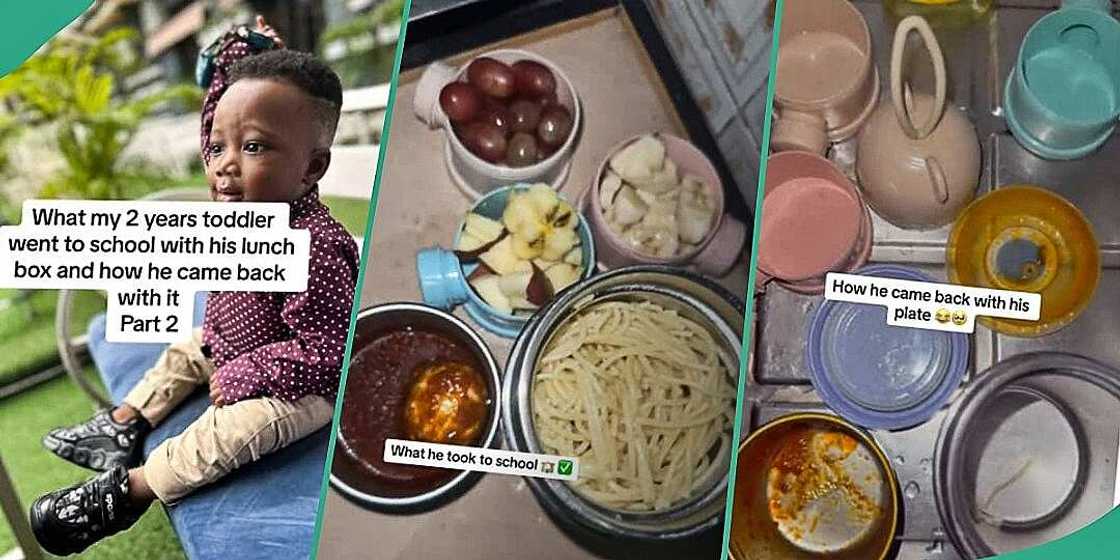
[377, 389]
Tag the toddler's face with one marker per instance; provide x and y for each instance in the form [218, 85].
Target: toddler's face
[263, 144]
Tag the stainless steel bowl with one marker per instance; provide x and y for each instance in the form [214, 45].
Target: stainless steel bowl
[692, 296]
[1027, 453]
[373, 322]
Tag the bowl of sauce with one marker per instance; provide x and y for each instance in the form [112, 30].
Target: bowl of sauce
[812, 486]
[416, 373]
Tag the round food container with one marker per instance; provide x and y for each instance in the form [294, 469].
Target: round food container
[811, 486]
[1062, 98]
[814, 221]
[1028, 453]
[881, 376]
[472, 174]
[391, 342]
[715, 253]
[444, 277]
[1026, 239]
[827, 84]
[707, 307]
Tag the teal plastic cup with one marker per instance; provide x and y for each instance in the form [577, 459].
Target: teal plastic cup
[1062, 99]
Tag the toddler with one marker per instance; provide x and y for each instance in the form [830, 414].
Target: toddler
[271, 361]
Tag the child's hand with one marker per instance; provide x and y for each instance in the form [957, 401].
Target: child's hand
[216, 392]
[266, 29]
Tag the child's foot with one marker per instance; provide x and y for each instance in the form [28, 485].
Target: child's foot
[99, 443]
[68, 521]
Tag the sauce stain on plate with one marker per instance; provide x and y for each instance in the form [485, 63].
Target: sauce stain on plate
[824, 490]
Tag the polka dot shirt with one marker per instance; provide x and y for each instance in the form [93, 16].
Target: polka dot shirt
[282, 345]
[288, 345]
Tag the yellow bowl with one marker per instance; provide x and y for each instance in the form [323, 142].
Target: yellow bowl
[1027, 239]
[755, 535]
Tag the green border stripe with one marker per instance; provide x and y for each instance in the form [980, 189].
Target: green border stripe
[367, 251]
[744, 353]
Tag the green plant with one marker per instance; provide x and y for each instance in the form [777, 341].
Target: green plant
[363, 61]
[72, 84]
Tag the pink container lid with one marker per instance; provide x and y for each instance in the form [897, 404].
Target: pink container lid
[809, 226]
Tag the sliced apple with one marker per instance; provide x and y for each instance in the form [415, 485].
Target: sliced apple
[515, 284]
[528, 250]
[480, 271]
[487, 288]
[467, 252]
[574, 257]
[501, 258]
[522, 304]
[523, 266]
[521, 217]
[561, 276]
[543, 264]
[558, 243]
[539, 291]
[468, 243]
[482, 228]
[544, 198]
[564, 216]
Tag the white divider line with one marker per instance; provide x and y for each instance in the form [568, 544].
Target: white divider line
[1116, 484]
[497, 461]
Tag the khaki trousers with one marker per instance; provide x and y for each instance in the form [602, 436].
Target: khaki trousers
[222, 438]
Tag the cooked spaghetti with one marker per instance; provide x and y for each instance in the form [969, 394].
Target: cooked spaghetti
[643, 397]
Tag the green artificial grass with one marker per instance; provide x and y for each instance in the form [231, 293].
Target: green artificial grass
[350, 212]
[24, 418]
[27, 337]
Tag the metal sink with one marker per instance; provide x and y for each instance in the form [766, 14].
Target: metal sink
[979, 60]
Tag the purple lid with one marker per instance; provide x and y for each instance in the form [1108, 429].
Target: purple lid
[880, 376]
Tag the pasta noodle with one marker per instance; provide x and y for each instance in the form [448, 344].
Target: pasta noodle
[642, 396]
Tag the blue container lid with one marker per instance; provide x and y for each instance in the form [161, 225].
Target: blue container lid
[441, 278]
[881, 376]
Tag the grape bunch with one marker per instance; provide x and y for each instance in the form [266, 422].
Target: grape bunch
[507, 114]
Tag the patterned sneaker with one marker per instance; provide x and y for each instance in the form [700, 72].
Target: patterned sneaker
[99, 443]
[68, 521]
